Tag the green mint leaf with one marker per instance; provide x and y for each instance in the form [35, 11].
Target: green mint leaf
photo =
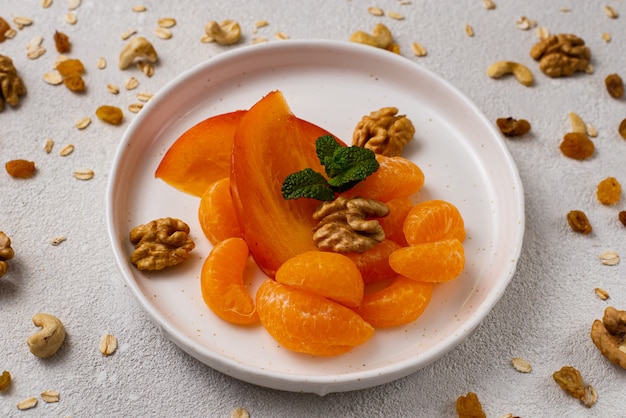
[306, 183]
[325, 147]
[350, 166]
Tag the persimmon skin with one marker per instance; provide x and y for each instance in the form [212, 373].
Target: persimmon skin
[201, 155]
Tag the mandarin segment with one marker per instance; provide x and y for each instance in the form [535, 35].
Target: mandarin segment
[433, 220]
[216, 213]
[393, 223]
[327, 274]
[395, 177]
[439, 261]
[222, 285]
[374, 263]
[400, 303]
[304, 322]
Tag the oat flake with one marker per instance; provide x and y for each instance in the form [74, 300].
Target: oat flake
[50, 396]
[66, 150]
[609, 258]
[521, 365]
[84, 174]
[601, 293]
[27, 404]
[83, 123]
[375, 11]
[53, 78]
[71, 18]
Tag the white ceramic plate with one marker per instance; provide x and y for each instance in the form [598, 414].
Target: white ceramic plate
[332, 84]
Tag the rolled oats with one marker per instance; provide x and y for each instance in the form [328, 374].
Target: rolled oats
[606, 37]
[73, 4]
[102, 63]
[469, 30]
[601, 293]
[542, 32]
[167, 22]
[58, 240]
[239, 413]
[113, 89]
[418, 49]
[135, 107]
[521, 365]
[83, 123]
[281, 35]
[131, 83]
[50, 396]
[21, 21]
[609, 258]
[489, 4]
[53, 78]
[144, 96]
[140, 8]
[27, 403]
[128, 33]
[375, 11]
[610, 12]
[71, 18]
[108, 344]
[163, 33]
[394, 15]
[46, 3]
[66, 150]
[145, 67]
[83, 174]
[48, 145]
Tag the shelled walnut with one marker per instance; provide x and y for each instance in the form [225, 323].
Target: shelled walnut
[561, 55]
[160, 243]
[6, 253]
[346, 226]
[11, 85]
[609, 335]
[384, 132]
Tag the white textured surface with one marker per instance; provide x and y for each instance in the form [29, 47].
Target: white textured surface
[544, 316]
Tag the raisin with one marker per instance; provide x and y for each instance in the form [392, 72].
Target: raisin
[614, 85]
[21, 169]
[609, 191]
[622, 217]
[622, 129]
[469, 406]
[70, 66]
[513, 127]
[579, 222]
[75, 83]
[577, 145]
[62, 42]
[570, 380]
[110, 114]
[5, 380]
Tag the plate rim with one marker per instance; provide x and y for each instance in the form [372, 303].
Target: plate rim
[320, 384]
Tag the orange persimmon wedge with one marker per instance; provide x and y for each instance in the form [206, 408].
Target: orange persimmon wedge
[201, 155]
[271, 143]
[222, 285]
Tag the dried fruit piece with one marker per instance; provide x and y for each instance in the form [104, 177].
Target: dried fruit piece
[110, 114]
[75, 83]
[622, 129]
[5, 380]
[609, 191]
[614, 85]
[70, 66]
[469, 406]
[513, 127]
[577, 145]
[571, 381]
[622, 217]
[21, 169]
[62, 42]
[578, 221]
[4, 27]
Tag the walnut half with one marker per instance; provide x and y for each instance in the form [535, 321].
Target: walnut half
[346, 226]
[6, 253]
[561, 55]
[609, 335]
[161, 243]
[11, 85]
[384, 132]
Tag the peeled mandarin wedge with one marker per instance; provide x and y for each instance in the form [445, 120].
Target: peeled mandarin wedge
[374, 263]
[304, 322]
[439, 261]
[433, 220]
[327, 274]
[221, 281]
[393, 223]
[400, 303]
[395, 177]
[216, 213]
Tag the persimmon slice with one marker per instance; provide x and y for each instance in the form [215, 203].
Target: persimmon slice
[222, 284]
[304, 322]
[438, 261]
[327, 274]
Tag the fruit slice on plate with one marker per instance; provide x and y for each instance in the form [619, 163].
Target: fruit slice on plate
[439, 261]
[304, 322]
[271, 143]
[433, 220]
[216, 213]
[201, 155]
[222, 283]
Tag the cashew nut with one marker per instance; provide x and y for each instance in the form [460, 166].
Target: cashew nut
[137, 47]
[380, 37]
[46, 342]
[520, 71]
[226, 32]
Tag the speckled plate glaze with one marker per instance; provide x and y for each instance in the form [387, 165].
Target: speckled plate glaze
[332, 84]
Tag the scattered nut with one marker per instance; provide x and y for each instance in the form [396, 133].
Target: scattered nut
[609, 336]
[469, 406]
[239, 413]
[110, 114]
[11, 85]
[6, 253]
[384, 132]
[561, 55]
[609, 258]
[609, 191]
[346, 225]
[137, 47]
[601, 293]
[226, 32]
[46, 343]
[108, 344]
[571, 381]
[577, 145]
[513, 127]
[578, 125]
[520, 71]
[161, 243]
[521, 365]
[27, 403]
[380, 37]
[50, 396]
[614, 85]
[579, 222]
[21, 169]
[5, 381]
